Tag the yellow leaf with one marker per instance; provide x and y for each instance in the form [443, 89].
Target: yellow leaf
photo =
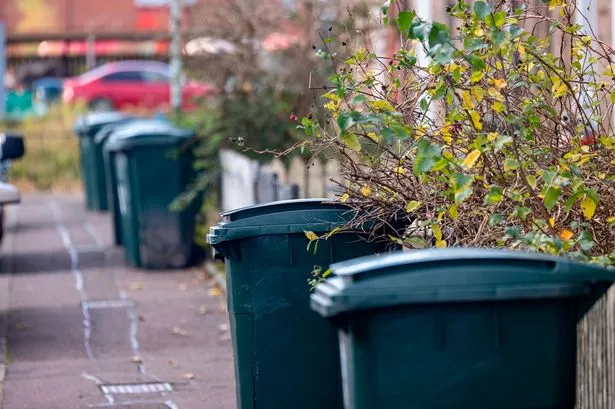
[311, 236]
[566, 234]
[399, 170]
[471, 159]
[366, 191]
[412, 206]
[610, 220]
[477, 76]
[588, 206]
[479, 32]
[440, 244]
[332, 232]
[494, 93]
[531, 180]
[478, 93]
[498, 107]
[452, 211]
[215, 292]
[492, 136]
[499, 83]
[344, 197]
[522, 53]
[374, 137]
[467, 100]
[475, 117]
[551, 221]
[555, 3]
[559, 90]
[382, 105]
[437, 232]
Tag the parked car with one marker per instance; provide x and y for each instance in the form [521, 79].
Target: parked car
[126, 84]
[11, 147]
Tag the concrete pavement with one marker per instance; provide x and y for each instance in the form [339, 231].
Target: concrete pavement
[84, 331]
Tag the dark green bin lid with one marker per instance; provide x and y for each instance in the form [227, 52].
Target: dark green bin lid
[281, 217]
[104, 132]
[146, 132]
[451, 275]
[91, 123]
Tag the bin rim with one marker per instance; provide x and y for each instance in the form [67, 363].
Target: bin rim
[146, 132]
[244, 211]
[106, 131]
[429, 277]
[95, 119]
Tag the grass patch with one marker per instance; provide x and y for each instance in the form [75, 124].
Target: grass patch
[51, 162]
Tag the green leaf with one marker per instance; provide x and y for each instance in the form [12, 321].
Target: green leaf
[351, 140]
[440, 92]
[551, 197]
[515, 31]
[482, 9]
[412, 206]
[419, 30]
[345, 120]
[476, 62]
[510, 164]
[359, 99]
[426, 156]
[471, 43]
[404, 19]
[462, 185]
[499, 19]
[496, 218]
[415, 242]
[500, 38]
[521, 212]
[501, 141]
[494, 195]
[424, 104]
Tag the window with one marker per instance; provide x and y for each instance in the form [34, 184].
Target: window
[123, 76]
[153, 76]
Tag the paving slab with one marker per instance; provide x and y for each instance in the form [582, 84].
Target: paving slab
[77, 319]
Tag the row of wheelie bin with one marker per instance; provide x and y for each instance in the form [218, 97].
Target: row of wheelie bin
[135, 168]
[426, 329]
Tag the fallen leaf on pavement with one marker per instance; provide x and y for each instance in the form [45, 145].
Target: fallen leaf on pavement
[181, 332]
[141, 318]
[134, 286]
[137, 359]
[189, 376]
[223, 327]
[215, 292]
[203, 310]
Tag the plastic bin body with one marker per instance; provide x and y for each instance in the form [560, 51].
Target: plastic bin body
[149, 173]
[286, 356]
[100, 199]
[86, 129]
[462, 328]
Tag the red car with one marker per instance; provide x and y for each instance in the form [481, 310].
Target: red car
[130, 84]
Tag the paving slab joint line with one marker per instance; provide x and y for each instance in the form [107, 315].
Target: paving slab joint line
[217, 275]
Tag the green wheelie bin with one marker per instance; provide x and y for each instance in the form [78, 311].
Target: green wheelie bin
[459, 328]
[86, 127]
[99, 173]
[286, 356]
[151, 168]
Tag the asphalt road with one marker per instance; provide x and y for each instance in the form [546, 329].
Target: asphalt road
[84, 331]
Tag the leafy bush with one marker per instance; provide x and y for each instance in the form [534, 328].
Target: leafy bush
[494, 141]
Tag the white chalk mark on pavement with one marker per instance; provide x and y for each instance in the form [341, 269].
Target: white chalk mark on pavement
[74, 261]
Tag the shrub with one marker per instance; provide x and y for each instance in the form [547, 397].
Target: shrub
[494, 140]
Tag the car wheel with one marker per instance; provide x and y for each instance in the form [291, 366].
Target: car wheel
[101, 105]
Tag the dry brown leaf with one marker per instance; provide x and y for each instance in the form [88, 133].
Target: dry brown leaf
[181, 332]
[141, 318]
[135, 286]
[190, 376]
[137, 359]
[215, 292]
